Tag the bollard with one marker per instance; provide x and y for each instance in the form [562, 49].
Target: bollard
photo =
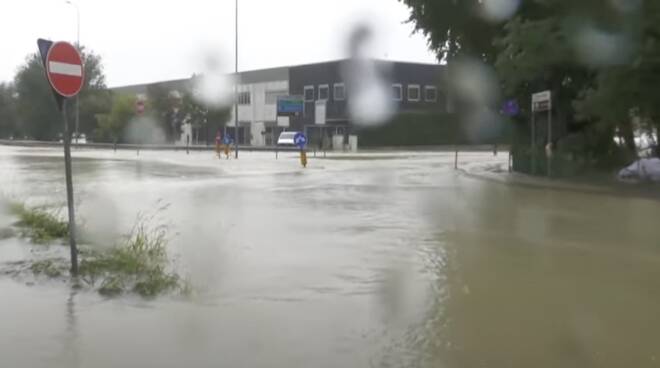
[456, 159]
[303, 158]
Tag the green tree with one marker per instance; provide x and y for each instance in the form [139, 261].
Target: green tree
[36, 106]
[454, 27]
[112, 126]
[600, 59]
[8, 119]
[95, 98]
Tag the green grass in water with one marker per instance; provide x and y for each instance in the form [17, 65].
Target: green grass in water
[39, 225]
[140, 264]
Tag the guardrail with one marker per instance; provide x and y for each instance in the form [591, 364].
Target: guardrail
[143, 147]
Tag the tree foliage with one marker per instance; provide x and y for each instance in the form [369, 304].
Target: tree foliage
[600, 59]
[8, 118]
[454, 27]
[111, 126]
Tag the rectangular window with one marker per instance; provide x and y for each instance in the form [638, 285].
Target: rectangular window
[324, 92]
[309, 93]
[397, 92]
[431, 94]
[271, 96]
[413, 92]
[339, 92]
[244, 98]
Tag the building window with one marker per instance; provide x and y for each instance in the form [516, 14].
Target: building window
[309, 93]
[271, 96]
[397, 92]
[339, 92]
[244, 98]
[431, 94]
[324, 92]
[413, 92]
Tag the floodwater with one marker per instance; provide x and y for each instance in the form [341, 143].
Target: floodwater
[391, 260]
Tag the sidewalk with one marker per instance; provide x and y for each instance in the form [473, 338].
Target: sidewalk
[498, 172]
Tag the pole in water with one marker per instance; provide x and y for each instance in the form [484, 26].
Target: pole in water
[69, 192]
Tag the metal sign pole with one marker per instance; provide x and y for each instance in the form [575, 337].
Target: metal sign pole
[549, 153]
[69, 192]
[533, 141]
[236, 91]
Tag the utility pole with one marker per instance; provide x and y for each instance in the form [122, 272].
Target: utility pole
[236, 87]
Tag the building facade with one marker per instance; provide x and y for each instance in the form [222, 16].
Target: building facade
[326, 89]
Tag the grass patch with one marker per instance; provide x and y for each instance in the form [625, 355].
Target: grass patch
[139, 265]
[51, 268]
[38, 224]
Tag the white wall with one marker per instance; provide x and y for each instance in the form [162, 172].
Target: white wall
[258, 112]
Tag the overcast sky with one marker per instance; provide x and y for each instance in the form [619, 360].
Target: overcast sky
[146, 41]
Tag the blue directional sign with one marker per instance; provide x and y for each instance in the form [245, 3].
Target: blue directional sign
[300, 140]
[227, 139]
[511, 108]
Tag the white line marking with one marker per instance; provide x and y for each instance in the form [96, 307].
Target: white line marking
[73, 70]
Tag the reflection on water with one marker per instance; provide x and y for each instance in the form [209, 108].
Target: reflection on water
[353, 263]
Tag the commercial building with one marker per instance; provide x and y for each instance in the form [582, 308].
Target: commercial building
[326, 89]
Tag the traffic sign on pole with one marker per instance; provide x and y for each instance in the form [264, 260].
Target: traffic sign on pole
[64, 71]
[300, 140]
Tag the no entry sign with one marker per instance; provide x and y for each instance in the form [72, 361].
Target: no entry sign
[64, 69]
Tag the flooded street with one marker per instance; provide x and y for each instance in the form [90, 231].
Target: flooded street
[371, 260]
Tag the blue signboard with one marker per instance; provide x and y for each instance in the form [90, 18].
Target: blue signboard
[290, 105]
[227, 139]
[300, 140]
[511, 108]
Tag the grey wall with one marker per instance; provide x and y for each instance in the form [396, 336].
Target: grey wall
[330, 73]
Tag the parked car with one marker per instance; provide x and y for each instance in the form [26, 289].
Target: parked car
[286, 139]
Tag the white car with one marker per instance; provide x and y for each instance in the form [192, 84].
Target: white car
[286, 139]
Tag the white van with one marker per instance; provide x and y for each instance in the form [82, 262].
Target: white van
[286, 139]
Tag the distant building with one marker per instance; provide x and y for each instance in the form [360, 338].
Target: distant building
[410, 87]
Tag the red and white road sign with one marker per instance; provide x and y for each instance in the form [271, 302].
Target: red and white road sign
[64, 69]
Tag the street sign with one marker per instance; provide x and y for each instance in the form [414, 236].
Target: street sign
[290, 105]
[511, 108]
[542, 101]
[64, 69]
[300, 140]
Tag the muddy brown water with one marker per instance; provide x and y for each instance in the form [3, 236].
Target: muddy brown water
[399, 262]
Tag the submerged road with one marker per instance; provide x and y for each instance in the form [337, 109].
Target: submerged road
[366, 260]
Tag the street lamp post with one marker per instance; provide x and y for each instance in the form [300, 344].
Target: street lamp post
[77, 133]
[236, 86]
